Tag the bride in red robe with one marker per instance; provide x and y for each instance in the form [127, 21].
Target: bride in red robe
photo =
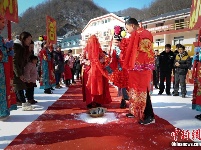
[95, 84]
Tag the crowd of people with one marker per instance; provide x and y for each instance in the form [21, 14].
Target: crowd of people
[20, 69]
[168, 64]
[129, 64]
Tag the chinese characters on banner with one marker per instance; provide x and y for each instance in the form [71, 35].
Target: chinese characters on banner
[195, 18]
[10, 9]
[51, 30]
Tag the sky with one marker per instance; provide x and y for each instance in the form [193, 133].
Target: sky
[116, 5]
[110, 5]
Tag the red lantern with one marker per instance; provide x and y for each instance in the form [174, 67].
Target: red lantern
[45, 37]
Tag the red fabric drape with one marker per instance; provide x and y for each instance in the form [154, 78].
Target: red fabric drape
[197, 80]
[133, 46]
[130, 54]
[51, 71]
[95, 76]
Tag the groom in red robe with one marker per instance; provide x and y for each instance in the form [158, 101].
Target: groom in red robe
[139, 61]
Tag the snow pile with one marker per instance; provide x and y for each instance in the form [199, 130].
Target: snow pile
[108, 117]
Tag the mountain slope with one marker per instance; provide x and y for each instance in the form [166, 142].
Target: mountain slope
[71, 17]
[156, 8]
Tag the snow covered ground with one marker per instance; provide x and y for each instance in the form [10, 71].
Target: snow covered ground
[176, 110]
[19, 119]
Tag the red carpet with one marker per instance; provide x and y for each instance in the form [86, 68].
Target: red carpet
[58, 129]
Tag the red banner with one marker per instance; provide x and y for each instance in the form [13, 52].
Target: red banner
[51, 30]
[9, 8]
[195, 18]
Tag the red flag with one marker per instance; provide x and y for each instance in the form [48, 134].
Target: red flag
[9, 8]
[195, 18]
[51, 30]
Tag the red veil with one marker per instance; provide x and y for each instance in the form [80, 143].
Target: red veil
[95, 80]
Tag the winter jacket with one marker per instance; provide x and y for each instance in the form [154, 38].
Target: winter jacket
[71, 60]
[78, 65]
[156, 62]
[31, 72]
[185, 63]
[58, 62]
[166, 61]
[20, 59]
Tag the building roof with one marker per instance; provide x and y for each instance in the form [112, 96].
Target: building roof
[70, 42]
[169, 15]
[74, 37]
[104, 16]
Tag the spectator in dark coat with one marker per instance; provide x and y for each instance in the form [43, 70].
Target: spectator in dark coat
[182, 63]
[175, 54]
[78, 68]
[59, 65]
[166, 63]
[156, 71]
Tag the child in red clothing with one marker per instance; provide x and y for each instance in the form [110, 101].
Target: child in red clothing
[67, 73]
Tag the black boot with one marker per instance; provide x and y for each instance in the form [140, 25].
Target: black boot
[98, 105]
[48, 91]
[198, 117]
[176, 94]
[89, 106]
[123, 104]
[52, 88]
